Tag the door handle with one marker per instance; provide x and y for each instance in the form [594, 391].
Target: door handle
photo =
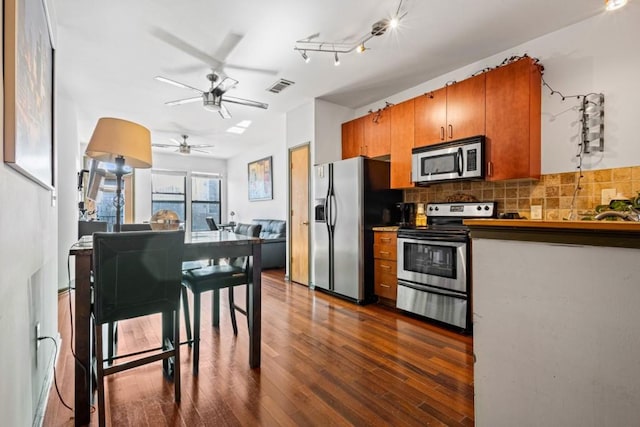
[304, 223]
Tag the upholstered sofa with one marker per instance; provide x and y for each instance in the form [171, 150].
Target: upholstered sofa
[274, 234]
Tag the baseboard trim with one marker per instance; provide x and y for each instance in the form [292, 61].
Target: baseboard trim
[38, 418]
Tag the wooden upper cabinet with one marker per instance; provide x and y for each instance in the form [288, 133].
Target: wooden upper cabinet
[513, 111]
[452, 112]
[376, 134]
[430, 117]
[466, 108]
[402, 135]
[353, 138]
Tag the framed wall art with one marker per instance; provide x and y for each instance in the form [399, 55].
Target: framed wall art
[28, 90]
[261, 179]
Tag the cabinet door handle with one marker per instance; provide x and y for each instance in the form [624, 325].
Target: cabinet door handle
[384, 253]
[489, 169]
[384, 286]
[441, 133]
[385, 239]
[450, 131]
[386, 267]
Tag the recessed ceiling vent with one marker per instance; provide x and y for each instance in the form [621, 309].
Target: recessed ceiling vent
[280, 85]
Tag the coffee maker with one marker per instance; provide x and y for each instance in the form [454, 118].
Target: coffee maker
[405, 214]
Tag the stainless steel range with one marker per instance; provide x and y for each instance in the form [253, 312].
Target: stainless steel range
[434, 262]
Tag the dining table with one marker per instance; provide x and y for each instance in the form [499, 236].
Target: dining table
[200, 245]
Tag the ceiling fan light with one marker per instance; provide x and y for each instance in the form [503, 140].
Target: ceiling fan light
[211, 102]
[614, 4]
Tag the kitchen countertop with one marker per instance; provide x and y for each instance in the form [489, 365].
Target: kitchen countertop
[386, 228]
[594, 233]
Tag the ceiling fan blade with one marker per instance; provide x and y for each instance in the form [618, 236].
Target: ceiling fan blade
[246, 102]
[226, 84]
[224, 112]
[252, 69]
[175, 141]
[182, 45]
[202, 146]
[229, 43]
[164, 145]
[176, 83]
[200, 151]
[184, 101]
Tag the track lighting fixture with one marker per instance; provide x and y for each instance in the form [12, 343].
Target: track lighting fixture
[614, 4]
[377, 29]
[336, 60]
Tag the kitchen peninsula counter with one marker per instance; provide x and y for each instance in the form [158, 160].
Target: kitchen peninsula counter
[556, 306]
[624, 234]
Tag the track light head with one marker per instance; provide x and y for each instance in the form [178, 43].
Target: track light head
[614, 4]
[361, 48]
[305, 56]
[336, 60]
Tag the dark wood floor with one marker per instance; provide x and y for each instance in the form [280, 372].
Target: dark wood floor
[324, 362]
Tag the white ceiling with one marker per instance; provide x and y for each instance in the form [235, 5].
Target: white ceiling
[109, 51]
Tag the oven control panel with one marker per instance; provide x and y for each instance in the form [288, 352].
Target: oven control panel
[462, 209]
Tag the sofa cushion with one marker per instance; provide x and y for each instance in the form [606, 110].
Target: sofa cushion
[272, 228]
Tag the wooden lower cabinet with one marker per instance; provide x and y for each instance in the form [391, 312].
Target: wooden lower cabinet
[385, 267]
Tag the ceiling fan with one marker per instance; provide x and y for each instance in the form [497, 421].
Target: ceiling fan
[213, 98]
[183, 147]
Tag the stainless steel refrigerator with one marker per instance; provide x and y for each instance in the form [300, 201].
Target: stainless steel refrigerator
[351, 197]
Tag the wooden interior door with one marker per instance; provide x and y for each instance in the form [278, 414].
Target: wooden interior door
[299, 215]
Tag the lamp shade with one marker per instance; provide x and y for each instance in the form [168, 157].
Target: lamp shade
[113, 138]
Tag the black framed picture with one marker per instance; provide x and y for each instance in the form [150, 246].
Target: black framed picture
[28, 78]
[261, 179]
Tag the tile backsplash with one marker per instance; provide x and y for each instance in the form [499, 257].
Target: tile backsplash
[554, 192]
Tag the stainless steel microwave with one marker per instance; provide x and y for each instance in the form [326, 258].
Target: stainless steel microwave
[462, 159]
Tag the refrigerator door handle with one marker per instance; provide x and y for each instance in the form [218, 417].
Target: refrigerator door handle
[333, 214]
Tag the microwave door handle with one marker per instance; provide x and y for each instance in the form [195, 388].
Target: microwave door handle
[459, 161]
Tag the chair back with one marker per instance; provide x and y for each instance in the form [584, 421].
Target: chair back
[251, 230]
[211, 223]
[136, 273]
[135, 227]
[87, 228]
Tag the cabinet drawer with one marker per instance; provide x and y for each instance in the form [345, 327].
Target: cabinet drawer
[385, 238]
[386, 282]
[383, 266]
[385, 251]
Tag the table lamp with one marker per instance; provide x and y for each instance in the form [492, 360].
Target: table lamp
[121, 142]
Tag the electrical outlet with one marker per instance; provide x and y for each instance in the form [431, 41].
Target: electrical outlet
[536, 212]
[607, 195]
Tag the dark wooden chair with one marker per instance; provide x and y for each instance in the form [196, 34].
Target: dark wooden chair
[135, 227]
[136, 274]
[87, 228]
[234, 272]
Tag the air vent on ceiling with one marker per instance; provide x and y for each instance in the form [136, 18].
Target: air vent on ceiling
[280, 85]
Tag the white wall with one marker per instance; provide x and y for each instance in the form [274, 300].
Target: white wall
[237, 179]
[328, 119]
[596, 55]
[28, 290]
[69, 164]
